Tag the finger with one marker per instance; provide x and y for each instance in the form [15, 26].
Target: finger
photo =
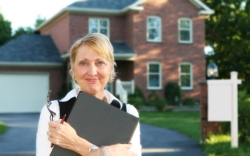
[52, 124]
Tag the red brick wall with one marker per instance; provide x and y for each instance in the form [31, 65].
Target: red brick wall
[59, 31]
[169, 52]
[55, 76]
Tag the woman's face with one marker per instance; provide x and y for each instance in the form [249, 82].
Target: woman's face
[91, 71]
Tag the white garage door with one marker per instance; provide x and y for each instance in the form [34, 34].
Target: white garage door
[23, 92]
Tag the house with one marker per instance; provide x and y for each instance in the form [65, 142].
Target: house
[155, 41]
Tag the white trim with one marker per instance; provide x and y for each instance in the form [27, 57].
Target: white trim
[190, 30]
[160, 76]
[125, 56]
[159, 29]
[191, 75]
[206, 10]
[98, 23]
[29, 64]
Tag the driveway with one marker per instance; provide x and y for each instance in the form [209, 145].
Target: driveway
[20, 139]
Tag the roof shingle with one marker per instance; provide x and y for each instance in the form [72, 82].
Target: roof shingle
[30, 48]
[103, 4]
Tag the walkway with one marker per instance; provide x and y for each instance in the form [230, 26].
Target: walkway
[21, 136]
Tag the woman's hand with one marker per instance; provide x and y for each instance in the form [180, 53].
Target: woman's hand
[119, 149]
[65, 136]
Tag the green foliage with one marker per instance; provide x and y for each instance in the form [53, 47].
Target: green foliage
[5, 30]
[3, 128]
[189, 102]
[228, 32]
[137, 99]
[220, 145]
[243, 118]
[155, 100]
[20, 31]
[172, 93]
[39, 21]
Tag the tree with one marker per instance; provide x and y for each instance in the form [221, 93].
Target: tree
[39, 21]
[5, 30]
[21, 30]
[228, 32]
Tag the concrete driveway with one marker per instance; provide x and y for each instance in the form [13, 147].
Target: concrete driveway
[20, 139]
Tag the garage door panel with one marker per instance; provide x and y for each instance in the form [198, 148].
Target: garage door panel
[23, 92]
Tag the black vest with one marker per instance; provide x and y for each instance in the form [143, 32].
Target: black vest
[66, 107]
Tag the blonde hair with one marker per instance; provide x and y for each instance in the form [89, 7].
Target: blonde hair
[101, 44]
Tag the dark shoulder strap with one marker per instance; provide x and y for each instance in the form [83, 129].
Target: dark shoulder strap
[66, 107]
[124, 107]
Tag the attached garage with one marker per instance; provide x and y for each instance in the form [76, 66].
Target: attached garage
[30, 66]
[23, 92]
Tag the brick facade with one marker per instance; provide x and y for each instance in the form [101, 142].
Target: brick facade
[131, 28]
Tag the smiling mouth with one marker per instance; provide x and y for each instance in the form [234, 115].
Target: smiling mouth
[92, 80]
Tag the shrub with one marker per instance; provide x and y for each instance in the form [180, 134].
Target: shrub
[135, 101]
[243, 118]
[154, 100]
[172, 93]
[189, 102]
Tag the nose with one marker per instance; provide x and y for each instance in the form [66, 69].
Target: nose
[92, 70]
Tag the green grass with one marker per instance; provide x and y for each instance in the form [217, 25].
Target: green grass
[3, 128]
[187, 123]
[220, 145]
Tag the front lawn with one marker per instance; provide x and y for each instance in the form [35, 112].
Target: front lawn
[187, 123]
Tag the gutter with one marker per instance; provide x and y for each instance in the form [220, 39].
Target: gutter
[29, 64]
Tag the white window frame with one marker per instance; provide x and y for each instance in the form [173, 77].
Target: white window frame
[159, 29]
[190, 74]
[98, 28]
[190, 29]
[160, 76]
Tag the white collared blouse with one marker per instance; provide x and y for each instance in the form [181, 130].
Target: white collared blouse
[43, 144]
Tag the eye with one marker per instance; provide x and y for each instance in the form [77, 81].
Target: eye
[83, 63]
[99, 63]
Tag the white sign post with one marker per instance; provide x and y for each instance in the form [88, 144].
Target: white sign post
[223, 103]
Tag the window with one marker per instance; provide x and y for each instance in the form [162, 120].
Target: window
[185, 30]
[154, 75]
[154, 29]
[100, 25]
[186, 76]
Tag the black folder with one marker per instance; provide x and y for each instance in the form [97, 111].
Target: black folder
[99, 123]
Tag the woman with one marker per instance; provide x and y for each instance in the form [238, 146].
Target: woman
[92, 67]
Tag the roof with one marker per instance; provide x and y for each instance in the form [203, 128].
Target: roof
[103, 4]
[30, 48]
[114, 7]
[122, 48]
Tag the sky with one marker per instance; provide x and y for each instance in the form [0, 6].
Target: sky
[23, 13]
